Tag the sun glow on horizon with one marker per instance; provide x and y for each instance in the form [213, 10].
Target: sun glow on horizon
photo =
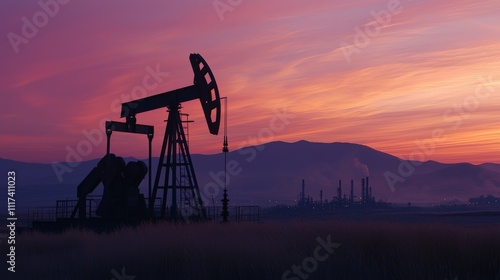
[433, 66]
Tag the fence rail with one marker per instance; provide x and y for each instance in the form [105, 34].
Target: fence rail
[64, 209]
[236, 213]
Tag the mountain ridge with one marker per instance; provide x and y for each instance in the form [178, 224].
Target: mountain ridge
[271, 173]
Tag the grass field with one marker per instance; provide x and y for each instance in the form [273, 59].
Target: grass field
[376, 250]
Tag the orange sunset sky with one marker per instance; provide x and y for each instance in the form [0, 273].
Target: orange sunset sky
[387, 74]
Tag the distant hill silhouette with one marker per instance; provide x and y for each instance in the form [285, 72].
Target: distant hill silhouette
[460, 180]
[271, 174]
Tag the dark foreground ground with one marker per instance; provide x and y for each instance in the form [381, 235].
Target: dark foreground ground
[349, 246]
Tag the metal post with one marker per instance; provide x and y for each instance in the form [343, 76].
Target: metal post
[109, 130]
[173, 142]
[108, 135]
[225, 150]
[150, 138]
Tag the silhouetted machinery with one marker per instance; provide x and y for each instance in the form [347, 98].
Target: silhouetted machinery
[121, 199]
[175, 174]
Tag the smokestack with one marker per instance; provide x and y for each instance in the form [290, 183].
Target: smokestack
[363, 190]
[321, 197]
[367, 195]
[339, 191]
[303, 199]
[351, 198]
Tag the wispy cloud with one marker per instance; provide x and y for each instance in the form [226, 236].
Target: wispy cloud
[265, 55]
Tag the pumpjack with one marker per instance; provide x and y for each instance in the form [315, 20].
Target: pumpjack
[175, 160]
[175, 174]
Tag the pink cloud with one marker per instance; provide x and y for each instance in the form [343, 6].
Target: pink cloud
[265, 56]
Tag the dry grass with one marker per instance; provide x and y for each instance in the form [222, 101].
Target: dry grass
[263, 251]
